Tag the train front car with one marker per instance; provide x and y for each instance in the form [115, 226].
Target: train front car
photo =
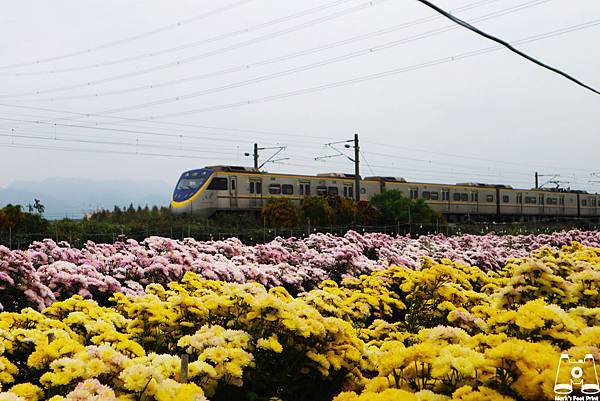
[190, 195]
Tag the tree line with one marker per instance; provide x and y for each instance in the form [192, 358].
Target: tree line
[20, 225]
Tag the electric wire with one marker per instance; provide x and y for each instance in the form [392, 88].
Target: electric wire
[184, 46]
[591, 23]
[243, 67]
[348, 56]
[507, 45]
[222, 151]
[352, 81]
[364, 78]
[130, 38]
[234, 46]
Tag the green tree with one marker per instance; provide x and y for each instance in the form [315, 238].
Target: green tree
[38, 206]
[280, 213]
[317, 210]
[14, 215]
[395, 207]
[345, 210]
[367, 214]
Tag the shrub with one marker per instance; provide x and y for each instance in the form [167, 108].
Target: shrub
[280, 213]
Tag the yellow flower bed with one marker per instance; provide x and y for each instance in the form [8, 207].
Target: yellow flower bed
[445, 332]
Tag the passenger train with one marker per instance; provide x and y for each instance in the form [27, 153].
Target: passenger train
[213, 189]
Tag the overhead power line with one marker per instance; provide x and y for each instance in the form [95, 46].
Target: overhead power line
[359, 79]
[155, 119]
[246, 66]
[352, 81]
[130, 38]
[507, 45]
[258, 39]
[295, 70]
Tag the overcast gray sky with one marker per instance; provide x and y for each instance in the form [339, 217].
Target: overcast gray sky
[492, 117]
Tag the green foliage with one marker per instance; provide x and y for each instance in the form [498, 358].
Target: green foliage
[280, 212]
[367, 214]
[12, 217]
[395, 207]
[317, 210]
[346, 210]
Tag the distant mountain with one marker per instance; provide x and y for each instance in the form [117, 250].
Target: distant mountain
[74, 197]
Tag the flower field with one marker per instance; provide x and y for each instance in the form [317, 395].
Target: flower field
[353, 318]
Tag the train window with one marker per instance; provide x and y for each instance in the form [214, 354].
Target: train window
[474, 197]
[363, 190]
[445, 194]
[464, 197]
[541, 199]
[287, 189]
[505, 198]
[414, 193]
[551, 201]
[259, 187]
[489, 198]
[530, 200]
[519, 198]
[593, 202]
[332, 191]
[561, 200]
[345, 192]
[584, 202]
[435, 196]
[233, 184]
[218, 184]
[426, 195]
[321, 191]
[251, 187]
[274, 189]
[351, 192]
[456, 196]
[301, 188]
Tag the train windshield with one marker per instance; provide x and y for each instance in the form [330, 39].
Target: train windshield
[190, 182]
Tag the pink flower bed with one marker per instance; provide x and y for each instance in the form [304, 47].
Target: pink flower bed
[48, 271]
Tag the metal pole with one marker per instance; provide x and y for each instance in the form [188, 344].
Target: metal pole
[356, 168]
[256, 155]
[536, 180]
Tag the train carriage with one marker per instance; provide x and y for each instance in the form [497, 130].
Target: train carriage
[214, 189]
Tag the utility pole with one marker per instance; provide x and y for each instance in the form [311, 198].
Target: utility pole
[256, 156]
[278, 149]
[356, 168]
[536, 180]
[355, 160]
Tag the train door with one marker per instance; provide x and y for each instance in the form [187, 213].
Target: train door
[446, 199]
[304, 188]
[561, 205]
[233, 191]
[255, 192]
